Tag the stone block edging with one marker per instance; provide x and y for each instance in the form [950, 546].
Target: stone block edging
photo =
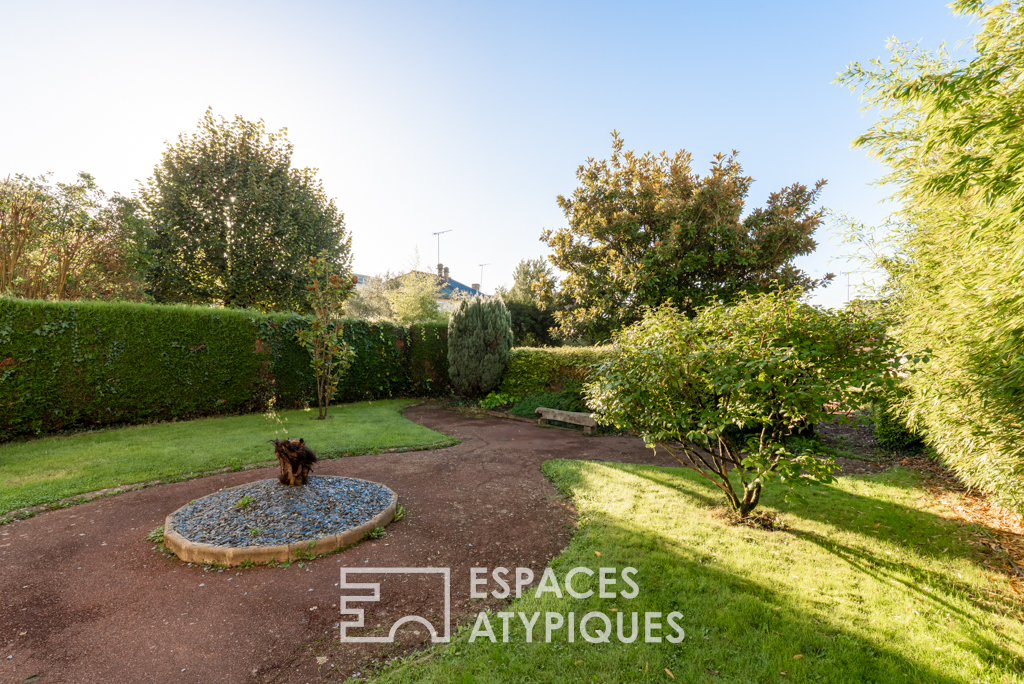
[192, 552]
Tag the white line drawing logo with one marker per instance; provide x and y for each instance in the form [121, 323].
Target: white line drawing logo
[374, 587]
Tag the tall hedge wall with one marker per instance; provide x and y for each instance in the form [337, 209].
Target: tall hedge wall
[536, 370]
[79, 364]
[428, 359]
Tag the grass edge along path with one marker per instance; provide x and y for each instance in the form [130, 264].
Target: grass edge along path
[870, 583]
[53, 472]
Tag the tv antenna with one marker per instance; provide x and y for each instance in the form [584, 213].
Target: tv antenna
[439, 234]
[482, 276]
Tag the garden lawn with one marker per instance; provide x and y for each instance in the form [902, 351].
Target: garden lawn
[48, 469]
[869, 584]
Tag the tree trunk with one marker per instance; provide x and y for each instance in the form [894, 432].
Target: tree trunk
[296, 460]
[751, 496]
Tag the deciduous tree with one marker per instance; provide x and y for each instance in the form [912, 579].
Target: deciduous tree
[234, 221]
[69, 240]
[330, 356]
[644, 229]
[534, 283]
[725, 391]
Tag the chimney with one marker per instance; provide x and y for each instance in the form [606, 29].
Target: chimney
[440, 269]
[475, 286]
[445, 276]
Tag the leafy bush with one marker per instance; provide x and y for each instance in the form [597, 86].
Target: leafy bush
[74, 365]
[539, 370]
[479, 338]
[890, 426]
[769, 364]
[495, 400]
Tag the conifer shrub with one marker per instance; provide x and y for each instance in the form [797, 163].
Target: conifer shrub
[479, 339]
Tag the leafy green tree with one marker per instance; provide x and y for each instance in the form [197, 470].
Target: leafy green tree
[646, 229]
[330, 356]
[531, 325]
[370, 302]
[22, 219]
[725, 391]
[69, 240]
[950, 133]
[533, 282]
[479, 339]
[414, 299]
[234, 222]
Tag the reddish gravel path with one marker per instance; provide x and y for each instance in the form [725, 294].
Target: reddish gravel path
[84, 598]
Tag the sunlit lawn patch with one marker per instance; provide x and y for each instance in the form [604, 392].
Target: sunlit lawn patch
[48, 469]
[868, 584]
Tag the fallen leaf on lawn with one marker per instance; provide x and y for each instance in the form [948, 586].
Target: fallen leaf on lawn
[797, 657]
[597, 553]
[578, 662]
[669, 673]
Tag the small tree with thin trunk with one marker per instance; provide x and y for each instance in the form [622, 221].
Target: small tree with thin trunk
[726, 391]
[330, 355]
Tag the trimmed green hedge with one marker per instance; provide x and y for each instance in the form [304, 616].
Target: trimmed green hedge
[534, 370]
[428, 359]
[71, 365]
[891, 429]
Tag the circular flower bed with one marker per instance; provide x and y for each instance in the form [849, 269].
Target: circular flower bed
[265, 520]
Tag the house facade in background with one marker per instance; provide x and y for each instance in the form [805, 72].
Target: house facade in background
[452, 291]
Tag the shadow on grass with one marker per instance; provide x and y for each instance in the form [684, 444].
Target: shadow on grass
[864, 515]
[745, 618]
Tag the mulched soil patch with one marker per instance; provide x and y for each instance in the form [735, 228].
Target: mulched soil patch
[997, 530]
[85, 598]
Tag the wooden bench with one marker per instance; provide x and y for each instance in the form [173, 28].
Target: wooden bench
[573, 417]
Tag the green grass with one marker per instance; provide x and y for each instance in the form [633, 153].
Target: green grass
[867, 585]
[46, 470]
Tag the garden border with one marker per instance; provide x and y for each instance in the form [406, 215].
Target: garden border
[192, 552]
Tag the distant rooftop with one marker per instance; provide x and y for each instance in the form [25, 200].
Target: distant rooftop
[451, 288]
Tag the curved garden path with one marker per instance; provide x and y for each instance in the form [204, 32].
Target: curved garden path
[85, 598]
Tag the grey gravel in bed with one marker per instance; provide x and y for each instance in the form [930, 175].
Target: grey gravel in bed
[280, 514]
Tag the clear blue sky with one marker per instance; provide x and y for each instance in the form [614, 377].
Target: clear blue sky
[464, 116]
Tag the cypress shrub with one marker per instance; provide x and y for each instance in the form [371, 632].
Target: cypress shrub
[479, 339]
